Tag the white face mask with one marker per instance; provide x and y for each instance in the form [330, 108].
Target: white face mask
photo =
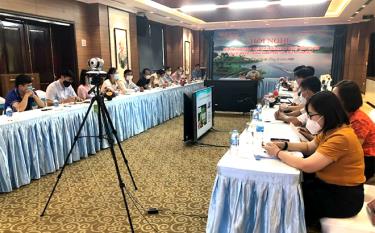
[129, 77]
[169, 72]
[313, 126]
[148, 76]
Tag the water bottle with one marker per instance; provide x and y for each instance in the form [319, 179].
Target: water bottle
[56, 102]
[9, 112]
[234, 142]
[259, 108]
[259, 131]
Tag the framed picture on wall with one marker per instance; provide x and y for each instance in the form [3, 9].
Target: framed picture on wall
[121, 49]
[187, 58]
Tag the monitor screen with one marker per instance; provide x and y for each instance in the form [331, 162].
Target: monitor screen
[203, 111]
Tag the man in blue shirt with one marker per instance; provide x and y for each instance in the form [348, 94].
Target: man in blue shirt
[196, 73]
[22, 98]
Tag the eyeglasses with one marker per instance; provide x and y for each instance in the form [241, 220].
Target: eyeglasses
[310, 115]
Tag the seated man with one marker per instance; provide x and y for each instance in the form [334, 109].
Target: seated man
[22, 97]
[309, 86]
[253, 74]
[128, 83]
[145, 81]
[196, 73]
[62, 89]
[168, 75]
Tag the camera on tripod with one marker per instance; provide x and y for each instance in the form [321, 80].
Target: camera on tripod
[95, 73]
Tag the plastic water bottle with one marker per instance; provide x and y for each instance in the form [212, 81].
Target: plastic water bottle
[234, 142]
[9, 112]
[259, 131]
[56, 102]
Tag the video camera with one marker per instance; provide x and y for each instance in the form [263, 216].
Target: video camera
[95, 73]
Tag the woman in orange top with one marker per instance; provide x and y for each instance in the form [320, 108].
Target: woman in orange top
[335, 156]
[351, 99]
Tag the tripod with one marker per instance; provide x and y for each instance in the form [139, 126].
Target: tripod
[103, 117]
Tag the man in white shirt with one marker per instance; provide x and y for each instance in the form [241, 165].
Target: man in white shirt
[62, 89]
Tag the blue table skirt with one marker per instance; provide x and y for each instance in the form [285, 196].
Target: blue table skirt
[255, 206]
[266, 86]
[31, 149]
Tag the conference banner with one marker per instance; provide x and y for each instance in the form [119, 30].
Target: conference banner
[274, 51]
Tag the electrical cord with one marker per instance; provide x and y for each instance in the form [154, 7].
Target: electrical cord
[200, 144]
[135, 202]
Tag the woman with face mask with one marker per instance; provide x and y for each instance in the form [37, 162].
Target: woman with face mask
[168, 75]
[84, 86]
[335, 156]
[129, 84]
[113, 83]
[178, 75]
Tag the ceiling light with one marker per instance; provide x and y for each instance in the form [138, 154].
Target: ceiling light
[300, 3]
[196, 8]
[357, 12]
[363, 6]
[248, 4]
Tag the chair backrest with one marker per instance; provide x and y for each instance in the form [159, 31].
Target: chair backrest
[372, 115]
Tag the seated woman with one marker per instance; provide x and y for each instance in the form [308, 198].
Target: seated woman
[23, 97]
[178, 75]
[350, 96]
[128, 83]
[335, 156]
[112, 83]
[84, 87]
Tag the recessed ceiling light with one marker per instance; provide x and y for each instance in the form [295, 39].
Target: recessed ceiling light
[357, 12]
[363, 6]
[351, 17]
[196, 8]
[248, 4]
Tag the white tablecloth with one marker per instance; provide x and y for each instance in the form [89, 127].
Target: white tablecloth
[252, 195]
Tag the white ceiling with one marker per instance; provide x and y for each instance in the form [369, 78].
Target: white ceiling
[163, 14]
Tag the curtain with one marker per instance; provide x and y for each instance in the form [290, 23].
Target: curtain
[209, 38]
[338, 53]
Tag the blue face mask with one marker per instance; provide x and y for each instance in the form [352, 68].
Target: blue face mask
[117, 77]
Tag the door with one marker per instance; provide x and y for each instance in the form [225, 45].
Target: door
[12, 48]
[40, 52]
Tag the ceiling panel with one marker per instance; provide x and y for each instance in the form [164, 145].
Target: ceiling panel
[270, 12]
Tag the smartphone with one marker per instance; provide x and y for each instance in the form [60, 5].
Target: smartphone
[279, 140]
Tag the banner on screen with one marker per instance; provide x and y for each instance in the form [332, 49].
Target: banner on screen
[275, 51]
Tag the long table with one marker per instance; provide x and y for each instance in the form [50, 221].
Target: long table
[35, 143]
[258, 196]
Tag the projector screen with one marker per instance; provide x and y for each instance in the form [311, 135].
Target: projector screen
[203, 111]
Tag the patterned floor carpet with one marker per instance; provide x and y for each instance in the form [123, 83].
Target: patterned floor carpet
[173, 177]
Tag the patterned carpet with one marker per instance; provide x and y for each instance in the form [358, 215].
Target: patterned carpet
[173, 177]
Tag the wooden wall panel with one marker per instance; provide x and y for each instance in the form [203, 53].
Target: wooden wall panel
[174, 46]
[134, 47]
[356, 52]
[80, 14]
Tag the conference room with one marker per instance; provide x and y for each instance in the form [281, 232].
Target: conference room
[220, 116]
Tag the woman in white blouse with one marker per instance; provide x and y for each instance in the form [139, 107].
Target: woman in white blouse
[113, 83]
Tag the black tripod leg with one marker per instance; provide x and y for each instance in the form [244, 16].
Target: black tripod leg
[68, 156]
[105, 110]
[111, 146]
